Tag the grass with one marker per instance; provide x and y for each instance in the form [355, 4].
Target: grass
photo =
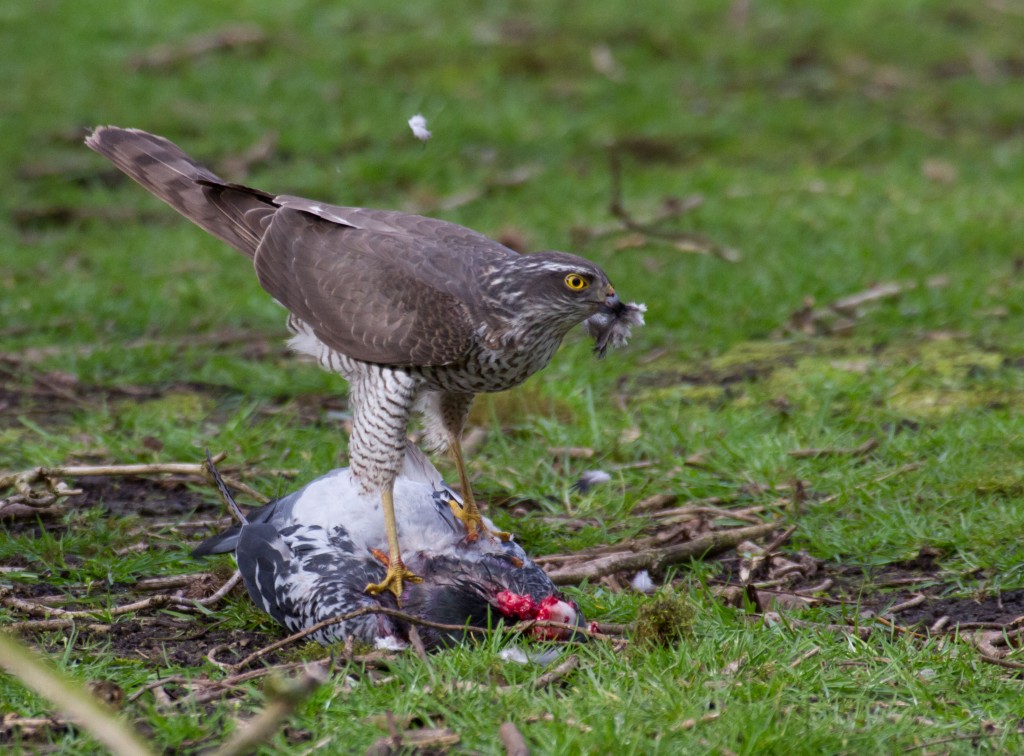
[834, 145]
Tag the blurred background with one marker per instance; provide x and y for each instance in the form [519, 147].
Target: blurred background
[817, 148]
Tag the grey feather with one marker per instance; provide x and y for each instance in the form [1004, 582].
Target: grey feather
[306, 557]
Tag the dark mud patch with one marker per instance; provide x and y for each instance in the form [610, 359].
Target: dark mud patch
[162, 502]
[144, 497]
[167, 643]
[1000, 609]
[874, 591]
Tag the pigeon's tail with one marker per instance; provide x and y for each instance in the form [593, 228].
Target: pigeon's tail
[233, 213]
[418, 468]
[222, 543]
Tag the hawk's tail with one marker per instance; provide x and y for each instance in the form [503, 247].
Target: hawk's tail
[235, 214]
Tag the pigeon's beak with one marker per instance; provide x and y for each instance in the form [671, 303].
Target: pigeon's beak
[611, 304]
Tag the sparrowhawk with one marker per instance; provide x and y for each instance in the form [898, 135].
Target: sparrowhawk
[416, 313]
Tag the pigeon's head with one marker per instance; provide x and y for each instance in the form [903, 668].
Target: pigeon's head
[483, 591]
[549, 609]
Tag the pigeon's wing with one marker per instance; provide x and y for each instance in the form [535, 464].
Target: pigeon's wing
[267, 563]
[301, 575]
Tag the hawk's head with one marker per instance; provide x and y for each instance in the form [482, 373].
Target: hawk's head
[556, 289]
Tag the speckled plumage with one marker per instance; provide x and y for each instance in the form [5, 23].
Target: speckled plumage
[306, 557]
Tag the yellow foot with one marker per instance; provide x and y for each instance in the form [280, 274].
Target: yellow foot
[396, 575]
[474, 523]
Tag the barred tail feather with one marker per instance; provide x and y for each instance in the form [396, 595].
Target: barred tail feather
[234, 214]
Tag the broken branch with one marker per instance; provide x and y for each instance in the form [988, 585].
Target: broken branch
[659, 558]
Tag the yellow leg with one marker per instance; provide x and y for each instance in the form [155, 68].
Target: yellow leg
[397, 572]
[470, 513]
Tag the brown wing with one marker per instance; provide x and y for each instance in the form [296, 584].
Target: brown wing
[362, 292]
[378, 285]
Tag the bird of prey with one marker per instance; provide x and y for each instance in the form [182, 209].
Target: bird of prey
[307, 556]
[416, 313]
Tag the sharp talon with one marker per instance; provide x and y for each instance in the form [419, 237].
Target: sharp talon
[396, 575]
[474, 525]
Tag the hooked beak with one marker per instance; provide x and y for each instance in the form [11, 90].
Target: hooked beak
[611, 304]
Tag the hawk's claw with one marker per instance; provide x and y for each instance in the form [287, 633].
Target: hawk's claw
[474, 523]
[396, 575]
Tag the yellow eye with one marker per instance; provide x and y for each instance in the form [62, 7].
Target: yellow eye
[576, 282]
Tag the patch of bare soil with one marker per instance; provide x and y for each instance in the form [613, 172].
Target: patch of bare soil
[913, 593]
[144, 497]
[168, 642]
[1000, 609]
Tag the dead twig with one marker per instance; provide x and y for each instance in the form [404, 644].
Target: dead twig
[55, 617]
[426, 740]
[929, 744]
[939, 625]
[1007, 663]
[209, 690]
[901, 470]
[513, 740]
[67, 695]
[841, 315]
[42, 486]
[689, 724]
[778, 541]
[908, 604]
[54, 624]
[804, 657]
[285, 697]
[747, 514]
[221, 592]
[558, 674]
[774, 618]
[898, 628]
[684, 241]
[394, 613]
[239, 165]
[168, 582]
[417, 644]
[659, 558]
[656, 502]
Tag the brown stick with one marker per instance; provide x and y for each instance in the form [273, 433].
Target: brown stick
[285, 697]
[513, 740]
[684, 241]
[908, 604]
[23, 481]
[54, 624]
[656, 559]
[64, 617]
[558, 674]
[347, 616]
[902, 469]
[226, 38]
